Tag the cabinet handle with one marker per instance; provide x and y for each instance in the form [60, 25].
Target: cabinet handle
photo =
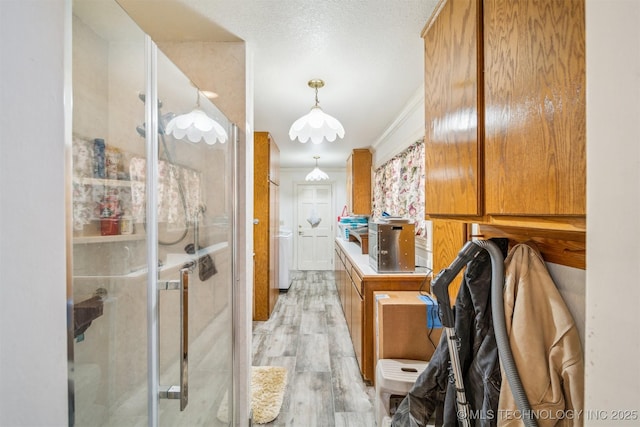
[181, 391]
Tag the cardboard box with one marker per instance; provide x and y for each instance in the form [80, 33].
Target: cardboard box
[401, 330]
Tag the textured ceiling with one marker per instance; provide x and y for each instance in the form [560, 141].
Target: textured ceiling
[368, 52]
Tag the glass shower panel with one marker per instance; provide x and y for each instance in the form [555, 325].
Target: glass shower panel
[109, 363]
[110, 383]
[194, 223]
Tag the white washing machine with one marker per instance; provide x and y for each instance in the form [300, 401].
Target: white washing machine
[285, 241]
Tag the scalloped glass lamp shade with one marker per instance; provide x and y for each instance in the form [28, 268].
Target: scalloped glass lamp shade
[316, 175]
[316, 125]
[196, 126]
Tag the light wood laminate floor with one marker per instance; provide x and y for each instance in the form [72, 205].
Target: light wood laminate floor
[307, 333]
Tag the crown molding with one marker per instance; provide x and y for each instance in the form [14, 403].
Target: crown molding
[415, 102]
[407, 128]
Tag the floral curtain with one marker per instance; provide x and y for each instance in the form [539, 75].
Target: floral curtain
[399, 186]
[126, 197]
[171, 208]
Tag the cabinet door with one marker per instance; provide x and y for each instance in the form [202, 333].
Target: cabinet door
[359, 182]
[265, 231]
[337, 267]
[357, 305]
[349, 188]
[535, 149]
[453, 113]
[348, 296]
[261, 243]
[341, 273]
[448, 238]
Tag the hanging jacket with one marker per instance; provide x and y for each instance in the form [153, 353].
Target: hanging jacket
[545, 344]
[478, 354]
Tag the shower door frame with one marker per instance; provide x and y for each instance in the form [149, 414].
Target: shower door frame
[152, 233]
[152, 155]
[153, 281]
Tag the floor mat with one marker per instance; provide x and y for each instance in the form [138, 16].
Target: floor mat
[267, 392]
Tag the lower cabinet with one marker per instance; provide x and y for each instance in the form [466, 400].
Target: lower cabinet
[356, 283]
[357, 307]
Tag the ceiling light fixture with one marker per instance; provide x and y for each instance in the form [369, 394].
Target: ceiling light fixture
[317, 124]
[197, 125]
[316, 174]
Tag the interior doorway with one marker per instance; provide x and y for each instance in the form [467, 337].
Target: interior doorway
[314, 226]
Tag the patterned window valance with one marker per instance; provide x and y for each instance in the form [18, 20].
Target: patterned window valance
[399, 186]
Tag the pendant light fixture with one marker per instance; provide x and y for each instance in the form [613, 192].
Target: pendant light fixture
[316, 125]
[316, 174]
[197, 125]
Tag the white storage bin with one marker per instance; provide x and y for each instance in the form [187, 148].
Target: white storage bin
[394, 379]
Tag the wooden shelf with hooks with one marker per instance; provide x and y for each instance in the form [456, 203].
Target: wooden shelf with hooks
[556, 246]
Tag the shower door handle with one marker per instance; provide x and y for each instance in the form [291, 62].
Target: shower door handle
[181, 391]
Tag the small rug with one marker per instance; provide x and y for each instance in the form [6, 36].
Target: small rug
[267, 392]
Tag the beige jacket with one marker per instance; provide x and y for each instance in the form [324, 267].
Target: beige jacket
[545, 344]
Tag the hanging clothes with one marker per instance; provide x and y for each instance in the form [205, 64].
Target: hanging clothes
[433, 392]
[545, 344]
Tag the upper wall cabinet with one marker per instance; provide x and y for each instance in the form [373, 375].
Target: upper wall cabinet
[505, 112]
[359, 181]
[452, 104]
[535, 117]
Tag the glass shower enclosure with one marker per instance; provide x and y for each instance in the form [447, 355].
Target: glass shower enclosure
[151, 269]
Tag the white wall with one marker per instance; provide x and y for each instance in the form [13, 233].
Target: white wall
[33, 340]
[571, 284]
[613, 209]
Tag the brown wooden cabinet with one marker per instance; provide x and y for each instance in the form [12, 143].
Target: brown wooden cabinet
[359, 182]
[356, 283]
[348, 283]
[448, 237]
[505, 113]
[265, 230]
[357, 311]
[453, 174]
[535, 114]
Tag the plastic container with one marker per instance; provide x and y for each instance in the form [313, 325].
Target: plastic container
[348, 223]
[126, 224]
[394, 379]
[109, 226]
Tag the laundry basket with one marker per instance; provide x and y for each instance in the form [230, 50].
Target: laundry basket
[349, 223]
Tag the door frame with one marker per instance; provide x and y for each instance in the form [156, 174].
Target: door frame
[296, 185]
[153, 283]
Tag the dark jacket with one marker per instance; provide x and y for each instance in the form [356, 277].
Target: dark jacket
[478, 358]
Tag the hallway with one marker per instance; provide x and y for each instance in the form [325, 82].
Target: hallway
[307, 333]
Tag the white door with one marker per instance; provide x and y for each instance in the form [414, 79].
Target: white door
[315, 235]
